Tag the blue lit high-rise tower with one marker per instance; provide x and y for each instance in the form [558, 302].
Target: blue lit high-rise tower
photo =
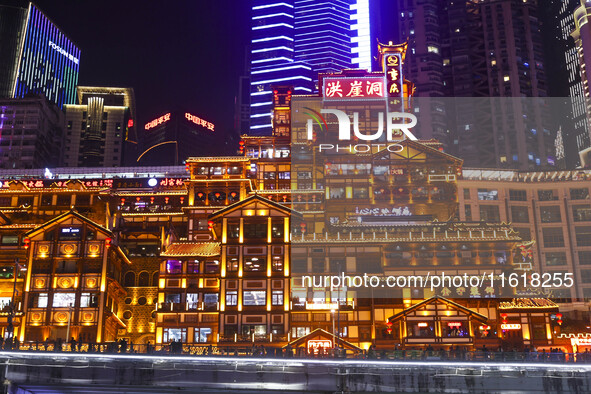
[294, 40]
[273, 60]
[35, 56]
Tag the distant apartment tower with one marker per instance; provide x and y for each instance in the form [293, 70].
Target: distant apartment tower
[294, 40]
[98, 127]
[35, 55]
[582, 36]
[562, 63]
[31, 131]
[173, 137]
[489, 48]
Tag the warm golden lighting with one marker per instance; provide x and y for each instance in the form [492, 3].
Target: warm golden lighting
[241, 236]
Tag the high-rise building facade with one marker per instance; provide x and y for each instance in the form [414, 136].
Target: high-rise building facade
[582, 36]
[177, 135]
[294, 40]
[31, 131]
[489, 48]
[562, 63]
[273, 60]
[36, 56]
[98, 127]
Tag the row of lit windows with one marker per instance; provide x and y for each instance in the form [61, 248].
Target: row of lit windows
[521, 195]
[520, 214]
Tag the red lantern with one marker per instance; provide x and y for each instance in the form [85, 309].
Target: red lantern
[210, 225]
[217, 195]
[559, 321]
[166, 200]
[108, 242]
[26, 243]
[151, 200]
[559, 315]
[182, 200]
[187, 167]
[389, 327]
[233, 194]
[485, 333]
[122, 201]
[200, 195]
[138, 199]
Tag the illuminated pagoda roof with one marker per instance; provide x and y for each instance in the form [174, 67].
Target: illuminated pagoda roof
[439, 300]
[74, 214]
[415, 148]
[392, 48]
[255, 202]
[320, 334]
[190, 249]
[528, 303]
[65, 216]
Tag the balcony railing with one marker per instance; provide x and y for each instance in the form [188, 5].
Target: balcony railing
[186, 307]
[253, 338]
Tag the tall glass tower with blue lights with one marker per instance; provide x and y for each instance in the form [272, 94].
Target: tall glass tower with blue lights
[35, 56]
[294, 40]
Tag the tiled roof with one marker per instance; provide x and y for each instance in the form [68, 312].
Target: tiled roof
[187, 249]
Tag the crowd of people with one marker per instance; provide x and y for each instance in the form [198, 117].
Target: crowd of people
[458, 353]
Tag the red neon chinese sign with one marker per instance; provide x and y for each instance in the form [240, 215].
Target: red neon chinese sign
[199, 122]
[172, 182]
[157, 121]
[130, 123]
[354, 88]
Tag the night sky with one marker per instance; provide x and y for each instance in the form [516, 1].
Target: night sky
[181, 54]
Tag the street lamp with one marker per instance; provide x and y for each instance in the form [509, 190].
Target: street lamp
[69, 320]
[334, 340]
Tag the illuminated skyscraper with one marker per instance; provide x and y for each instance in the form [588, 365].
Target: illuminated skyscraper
[489, 48]
[98, 127]
[582, 35]
[35, 56]
[294, 40]
[273, 60]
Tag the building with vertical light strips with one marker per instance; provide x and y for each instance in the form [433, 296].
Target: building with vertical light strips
[294, 40]
[38, 56]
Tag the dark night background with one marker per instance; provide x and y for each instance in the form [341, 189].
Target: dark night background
[182, 54]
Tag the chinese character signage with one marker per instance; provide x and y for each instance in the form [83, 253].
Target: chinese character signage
[316, 346]
[157, 121]
[362, 88]
[394, 78]
[199, 122]
[50, 183]
[172, 182]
